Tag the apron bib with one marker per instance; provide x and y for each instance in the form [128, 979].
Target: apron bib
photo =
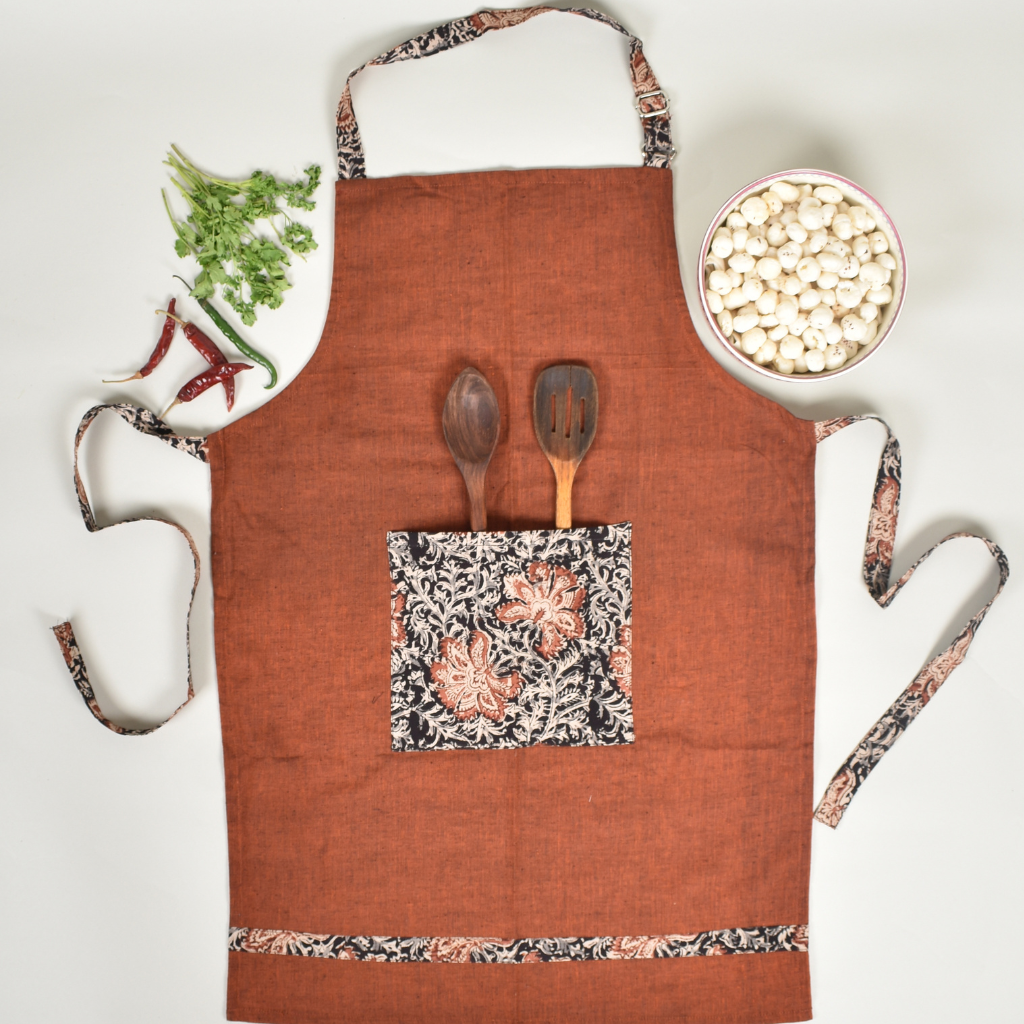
[610, 875]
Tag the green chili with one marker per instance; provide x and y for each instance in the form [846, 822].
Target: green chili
[244, 347]
[232, 335]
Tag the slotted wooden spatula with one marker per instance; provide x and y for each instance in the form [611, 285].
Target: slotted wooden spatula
[565, 420]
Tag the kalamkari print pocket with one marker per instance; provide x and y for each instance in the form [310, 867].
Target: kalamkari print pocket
[512, 639]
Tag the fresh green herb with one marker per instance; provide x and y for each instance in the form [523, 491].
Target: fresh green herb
[220, 232]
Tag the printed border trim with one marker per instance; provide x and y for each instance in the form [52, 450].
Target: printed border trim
[144, 422]
[878, 547]
[652, 104]
[465, 950]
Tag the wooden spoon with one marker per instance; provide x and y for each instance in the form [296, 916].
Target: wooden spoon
[565, 421]
[471, 421]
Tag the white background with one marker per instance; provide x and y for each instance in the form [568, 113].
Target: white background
[113, 857]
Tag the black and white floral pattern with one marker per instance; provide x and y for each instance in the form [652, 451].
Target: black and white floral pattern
[145, 422]
[462, 950]
[878, 549]
[508, 639]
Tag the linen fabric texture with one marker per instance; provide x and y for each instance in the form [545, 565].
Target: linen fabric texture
[703, 822]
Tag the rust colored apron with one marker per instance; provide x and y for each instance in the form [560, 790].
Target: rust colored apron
[559, 881]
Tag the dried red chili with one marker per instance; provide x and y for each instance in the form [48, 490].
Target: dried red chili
[204, 381]
[209, 350]
[166, 335]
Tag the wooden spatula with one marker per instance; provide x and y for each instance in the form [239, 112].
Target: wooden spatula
[565, 420]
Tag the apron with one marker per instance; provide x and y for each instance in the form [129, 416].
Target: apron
[406, 852]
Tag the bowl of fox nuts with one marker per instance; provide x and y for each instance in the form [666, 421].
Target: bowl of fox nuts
[802, 275]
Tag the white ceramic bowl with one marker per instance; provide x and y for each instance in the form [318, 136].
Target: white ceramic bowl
[854, 195]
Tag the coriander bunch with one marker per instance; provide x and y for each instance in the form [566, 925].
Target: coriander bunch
[219, 232]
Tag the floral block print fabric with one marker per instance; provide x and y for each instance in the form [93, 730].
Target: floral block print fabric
[502, 640]
[144, 422]
[466, 950]
[878, 550]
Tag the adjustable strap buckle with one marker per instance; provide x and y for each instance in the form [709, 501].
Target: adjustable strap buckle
[644, 114]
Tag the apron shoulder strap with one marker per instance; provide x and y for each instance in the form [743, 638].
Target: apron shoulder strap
[885, 505]
[652, 103]
[146, 423]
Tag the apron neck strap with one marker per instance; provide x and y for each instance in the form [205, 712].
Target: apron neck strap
[652, 103]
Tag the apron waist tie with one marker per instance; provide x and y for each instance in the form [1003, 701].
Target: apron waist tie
[885, 505]
[878, 552]
[146, 423]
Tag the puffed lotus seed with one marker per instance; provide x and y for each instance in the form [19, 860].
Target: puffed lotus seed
[808, 269]
[787, 311]
[790, 347]
[835, 356]
[833, 334]
[798, 278]
[837, 246]
[854, 329]
[809, 299]
[796, 231]
[878, 242]
[799, 325]
[752, 288]
[757, 246]
[755, 210]
[787, 192]
[815, 360]
[848, 295]
[752, 340]
[828, 194]
[872, 275]
[790, 255]
[814, 338]
[741, 262]
[742, 322]
[821, 316]
[860, 245]
[849, 269]
[842, 226]
[718, 281]
[812, 218]
[722, 246]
